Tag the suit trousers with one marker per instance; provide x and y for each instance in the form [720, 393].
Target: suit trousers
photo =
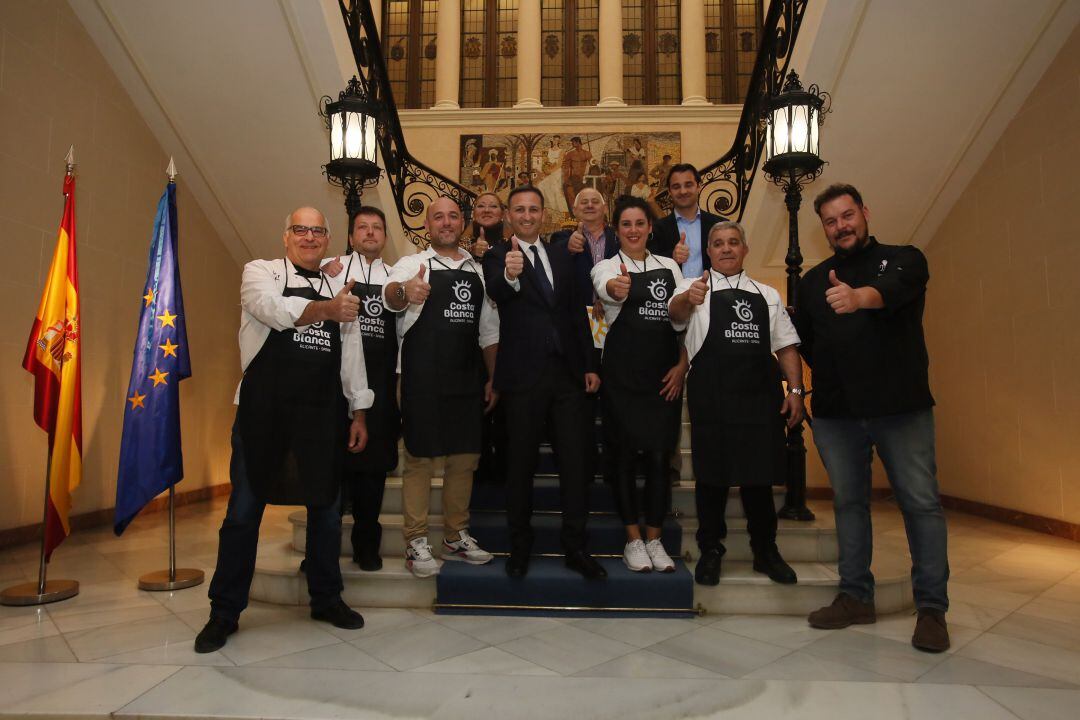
[758, 505]
[557, 402]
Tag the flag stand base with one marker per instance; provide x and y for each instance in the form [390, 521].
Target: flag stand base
[159, 580]
[28, 593]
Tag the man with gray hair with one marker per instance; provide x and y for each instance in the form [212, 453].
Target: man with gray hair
[300, 403]
[739, 339]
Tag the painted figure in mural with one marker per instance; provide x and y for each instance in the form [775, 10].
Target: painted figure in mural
[636, 154]
[658, 175]
[492, 171]
[470, 154]
[574, 164]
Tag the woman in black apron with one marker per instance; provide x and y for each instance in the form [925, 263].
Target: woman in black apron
[737, 404]
[643, 368]
[366, 471]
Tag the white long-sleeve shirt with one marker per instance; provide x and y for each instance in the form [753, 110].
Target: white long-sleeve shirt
[264, 308]
[406, 268]
[782, 332]
[607, 269]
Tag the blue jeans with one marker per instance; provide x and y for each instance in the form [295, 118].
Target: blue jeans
[905, 444]
[238, 542]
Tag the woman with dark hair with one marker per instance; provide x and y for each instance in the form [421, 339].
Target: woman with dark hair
[487, 223]
[643, 367]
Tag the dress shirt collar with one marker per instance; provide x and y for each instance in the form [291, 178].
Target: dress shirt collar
[680, 219]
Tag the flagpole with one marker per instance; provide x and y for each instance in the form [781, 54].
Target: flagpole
[44, 591]
[173, 578]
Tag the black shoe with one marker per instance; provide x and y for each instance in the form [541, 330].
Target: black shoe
[368, 561]
[770, 563]
[517, 565]
[339, 615]
[582, 562]
[707, 571]
[213, 636]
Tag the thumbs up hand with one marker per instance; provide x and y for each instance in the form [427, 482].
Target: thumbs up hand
[682, 251]
[699, 289]
[333, 268]
[576, 243]
[515, 260]
[618, 287]
[417, 289]
[345, 306]
[842, 298]
[480, 245]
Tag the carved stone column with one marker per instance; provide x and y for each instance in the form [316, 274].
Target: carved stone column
[611, 54]
[692, 45]
[528, 58]
[448, 60]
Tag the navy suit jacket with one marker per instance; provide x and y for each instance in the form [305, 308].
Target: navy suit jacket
[527, 320]
[583, 263]
[666, 235]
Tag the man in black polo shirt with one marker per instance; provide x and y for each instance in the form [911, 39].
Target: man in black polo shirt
[860, 320]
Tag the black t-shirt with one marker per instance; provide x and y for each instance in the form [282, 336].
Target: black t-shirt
[868, 363]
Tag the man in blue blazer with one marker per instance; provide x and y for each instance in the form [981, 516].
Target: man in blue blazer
[592, 241]
[544, 370]
[681, 234]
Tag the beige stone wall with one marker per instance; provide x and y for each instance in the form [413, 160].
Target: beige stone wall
[1002, 312]
[57, 90]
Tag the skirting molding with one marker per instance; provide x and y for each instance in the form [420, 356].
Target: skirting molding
[96, 518]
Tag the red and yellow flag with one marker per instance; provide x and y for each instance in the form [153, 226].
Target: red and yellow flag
[53, 358]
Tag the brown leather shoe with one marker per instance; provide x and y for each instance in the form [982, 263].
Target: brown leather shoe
[931, 633]
[845, 610]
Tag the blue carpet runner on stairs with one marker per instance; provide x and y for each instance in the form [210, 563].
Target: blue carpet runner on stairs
[550, 588]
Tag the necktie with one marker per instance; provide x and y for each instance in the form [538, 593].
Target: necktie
[541, 275]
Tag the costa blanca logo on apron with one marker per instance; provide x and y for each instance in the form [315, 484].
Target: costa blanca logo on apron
[462, 291]
[658, 289]
[373, 306]
[743, 311]
[743, 329]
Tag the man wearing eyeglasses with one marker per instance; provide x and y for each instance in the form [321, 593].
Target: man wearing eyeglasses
[302, 397]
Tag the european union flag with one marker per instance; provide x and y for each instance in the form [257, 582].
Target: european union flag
[151, 459]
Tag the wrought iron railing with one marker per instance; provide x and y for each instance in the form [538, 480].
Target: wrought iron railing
[726, 183]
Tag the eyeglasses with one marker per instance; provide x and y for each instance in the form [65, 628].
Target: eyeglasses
[316, 231]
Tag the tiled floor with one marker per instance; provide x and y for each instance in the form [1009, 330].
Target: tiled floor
[1015, 623]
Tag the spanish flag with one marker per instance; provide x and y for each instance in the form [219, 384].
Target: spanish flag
[53, 358]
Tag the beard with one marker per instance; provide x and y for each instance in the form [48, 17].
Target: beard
[861, 239]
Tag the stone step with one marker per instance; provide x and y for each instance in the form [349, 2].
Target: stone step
[682, 497]
[741, 590]
[798, 542]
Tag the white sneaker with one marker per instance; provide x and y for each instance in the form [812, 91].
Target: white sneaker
[419, 560]
[635, 557]
[661, 561]
[466, 550]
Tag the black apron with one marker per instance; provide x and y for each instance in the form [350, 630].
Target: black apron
[640, 348]
[380, 358]
[292, 414]
[442, 380]
[735, 396]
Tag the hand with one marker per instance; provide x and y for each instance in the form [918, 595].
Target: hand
[598, 310]
[842, 298]
[682, 251]
[358, 436]
[345, 306]
[673, 382]
[333, 268]
[480, 245]
[576, 243]
[793, 409]
[618, 287]
[491, 396]
[417, 290]
[592, 382]
[699, 289]
[515, 260]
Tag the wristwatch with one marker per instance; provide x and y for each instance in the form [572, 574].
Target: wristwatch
[796, 391]
[400, 294]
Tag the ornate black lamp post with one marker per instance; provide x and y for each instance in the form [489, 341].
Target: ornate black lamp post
[792, 119]
[353, 122]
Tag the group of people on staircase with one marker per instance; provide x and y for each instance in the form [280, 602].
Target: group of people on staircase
[351, 354]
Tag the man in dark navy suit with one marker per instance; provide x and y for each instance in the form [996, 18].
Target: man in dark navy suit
[681, 234]
[544, 369]
[592, 241]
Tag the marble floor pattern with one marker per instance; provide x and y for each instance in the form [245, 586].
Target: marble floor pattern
[116, 651]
